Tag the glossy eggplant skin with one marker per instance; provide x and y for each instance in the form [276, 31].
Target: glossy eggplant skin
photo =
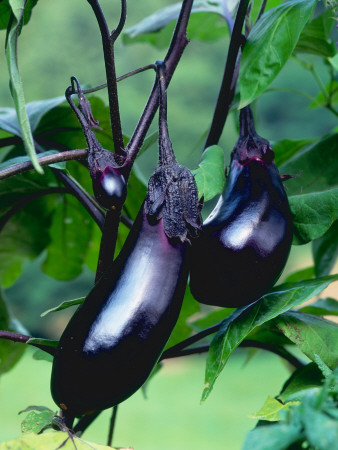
[135, 305]
[110, 188]
[246, 240]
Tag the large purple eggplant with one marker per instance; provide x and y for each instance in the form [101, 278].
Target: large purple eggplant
[117, 335]
[246, 239]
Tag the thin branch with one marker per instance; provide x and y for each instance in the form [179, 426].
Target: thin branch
[112, 426]
[262, 9]
[178, 43]
[109, 59]
[122, 77]
[226, 92]
[23, 339]
[115, 34]
[43, 161]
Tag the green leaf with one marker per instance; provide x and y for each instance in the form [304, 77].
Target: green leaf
[313, 335]
[313, 214]
[25, 233]
[70, 233]
[48, 441]
[41, 355]
[209, 176]
[16, 82]
[269, 46]
[64, 305]
[299, 275]
[300, 381]
[315, 38]
[212, 319]
[206, 23]
[334, 62]
[271, 409]
[40, 341]
[6, 7]
[10, 352]
[277, 437]
[287, 148]
[37, 420]
[322, 307]
[325, 251]
[244, 320]
[318, 164]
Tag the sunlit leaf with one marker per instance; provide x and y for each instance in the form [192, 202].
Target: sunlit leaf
[271, 409]
[209, 176]
[269, 46]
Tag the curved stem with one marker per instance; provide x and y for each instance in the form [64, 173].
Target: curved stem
[109, 59]
[178, 43]
[115, 34]
[43, 161]
[227, 89]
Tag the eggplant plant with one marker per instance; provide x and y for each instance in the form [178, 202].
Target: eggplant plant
[85, 190]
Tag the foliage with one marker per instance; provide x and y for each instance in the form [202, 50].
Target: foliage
[42, 215]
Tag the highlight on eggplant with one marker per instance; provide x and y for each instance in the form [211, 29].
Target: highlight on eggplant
[116, 337]
[246, 239]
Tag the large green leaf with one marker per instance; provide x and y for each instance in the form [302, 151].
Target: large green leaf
[10, 352]
[209, 176]
[325, 251]
[317, 165]
[25, 217]
[15, 79]
[269, 45]
[315, 38]
[244, 320]
[313, 214]
[312, 334]
[70, 233]
[206, 23]
[287, 148]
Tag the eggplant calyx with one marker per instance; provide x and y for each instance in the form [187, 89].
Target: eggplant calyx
[173, 197]
[250, 145]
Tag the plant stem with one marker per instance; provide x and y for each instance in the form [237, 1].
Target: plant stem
[280, 351]
[44, 161]
[108, 41]
[22, 338]
[112, 426]
[227, 88]
[178, 43]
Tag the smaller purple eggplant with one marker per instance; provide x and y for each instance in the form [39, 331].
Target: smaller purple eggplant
[246, 240]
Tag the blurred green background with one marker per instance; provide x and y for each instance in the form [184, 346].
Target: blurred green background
[61, 40]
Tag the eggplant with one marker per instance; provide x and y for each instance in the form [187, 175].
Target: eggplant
[116, 337]
[246, 240]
